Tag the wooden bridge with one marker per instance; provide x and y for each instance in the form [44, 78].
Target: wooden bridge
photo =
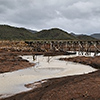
[65, 45]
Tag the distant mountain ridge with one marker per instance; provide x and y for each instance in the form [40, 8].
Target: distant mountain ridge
[96, 35]
[14, 33]
[54, 34]
[83, 37]
[32, 31]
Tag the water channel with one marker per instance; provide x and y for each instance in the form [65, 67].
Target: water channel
[46, 67]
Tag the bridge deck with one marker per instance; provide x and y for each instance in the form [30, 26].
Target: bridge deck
[65, 45]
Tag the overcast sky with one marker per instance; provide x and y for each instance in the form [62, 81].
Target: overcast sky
[79, 16]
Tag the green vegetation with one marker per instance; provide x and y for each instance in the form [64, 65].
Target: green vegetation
[85, 37]
[13, 33]
[54, 34]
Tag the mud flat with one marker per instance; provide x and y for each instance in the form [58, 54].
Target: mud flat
[81, 87]
[11, 61]
[46, 67]
[92, 61]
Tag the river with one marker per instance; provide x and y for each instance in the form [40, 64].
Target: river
[46, 67]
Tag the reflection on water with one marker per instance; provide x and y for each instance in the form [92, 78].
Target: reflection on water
[48, 71]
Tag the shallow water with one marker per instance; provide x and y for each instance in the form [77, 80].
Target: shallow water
[46, 67]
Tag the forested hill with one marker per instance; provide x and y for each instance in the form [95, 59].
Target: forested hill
[85, 37]
[54, 34]
[14, 33]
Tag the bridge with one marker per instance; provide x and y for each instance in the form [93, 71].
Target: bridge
[65, 45]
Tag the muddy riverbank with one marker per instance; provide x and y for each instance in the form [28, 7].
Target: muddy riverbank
[92, 61]
[81, 87]
[11, 61]
[77, 87]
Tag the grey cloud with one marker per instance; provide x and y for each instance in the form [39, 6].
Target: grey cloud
[9, 4]
[79, 10]
[80, 16]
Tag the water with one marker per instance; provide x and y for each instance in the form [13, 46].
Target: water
[46, 67]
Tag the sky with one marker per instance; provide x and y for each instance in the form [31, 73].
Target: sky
[78, 16]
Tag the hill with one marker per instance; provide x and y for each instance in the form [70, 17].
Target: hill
[54, 34]
[73, 34]
[85, 37]
[96, 35]
[14, 33]
[32, 31]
